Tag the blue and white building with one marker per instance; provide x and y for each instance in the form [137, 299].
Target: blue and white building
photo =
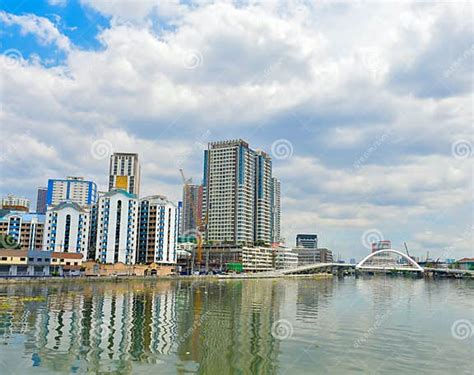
[67, 229]
[158, 230]
[72, 189]
[117, 227]
[25, 230]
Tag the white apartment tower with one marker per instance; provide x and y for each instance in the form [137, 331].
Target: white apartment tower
[66, 229]
[275, 211]
[236, 193]
[116, 227]
[124, 172]
[157, 231]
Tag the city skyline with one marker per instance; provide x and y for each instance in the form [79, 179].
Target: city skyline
[368, 133]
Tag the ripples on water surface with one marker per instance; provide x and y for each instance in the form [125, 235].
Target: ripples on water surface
[376, 325]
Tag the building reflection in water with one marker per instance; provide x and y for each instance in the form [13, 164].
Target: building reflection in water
[206, 327]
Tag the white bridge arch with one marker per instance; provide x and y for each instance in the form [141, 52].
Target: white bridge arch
[361, 264]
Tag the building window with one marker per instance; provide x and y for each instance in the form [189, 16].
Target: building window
[67, 232]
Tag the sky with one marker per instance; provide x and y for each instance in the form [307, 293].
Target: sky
[365, 107]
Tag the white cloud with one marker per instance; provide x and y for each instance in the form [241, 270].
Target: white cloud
[41, 27]
[60, 3]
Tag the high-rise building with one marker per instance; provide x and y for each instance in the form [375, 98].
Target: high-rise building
[41, 200]
[237, 194]
[275, 211]
[124, 172]
[116, 227]
[192, 207]
[24, 229]
[308, 241]
[67, 229]
[13, 203]
[263, 195]
[72, 189]
[229, 192]
[157, 230]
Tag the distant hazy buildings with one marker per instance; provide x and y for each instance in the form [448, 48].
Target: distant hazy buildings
[192, 208]
[13, 203]
[308, 241]
[237, 193]
[381, 245]
[157, 230]
[275, 204]
[310, 256]
[116, 227]
[124, 172]
[41, 200]
[25, 230]
[67, 229]
[72, 189]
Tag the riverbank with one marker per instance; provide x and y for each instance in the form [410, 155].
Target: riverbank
[93, 279]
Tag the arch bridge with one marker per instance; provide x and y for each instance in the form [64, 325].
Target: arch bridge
[374, 262]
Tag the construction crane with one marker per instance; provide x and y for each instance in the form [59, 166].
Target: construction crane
[185, 181]
[406, 248]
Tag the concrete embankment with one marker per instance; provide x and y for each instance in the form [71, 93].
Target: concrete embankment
[93, 279]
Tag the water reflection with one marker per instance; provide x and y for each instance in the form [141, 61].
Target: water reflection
[225, 327]
[108, 327]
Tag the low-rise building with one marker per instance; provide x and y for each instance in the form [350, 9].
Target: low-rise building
[92, 268]
[65, 263]
[24, 229]
[257, 259]
[285, 258]
[13, 262]
[13, 203]
[23, 263]
[310, 256]
[466, 264]
[217, 257]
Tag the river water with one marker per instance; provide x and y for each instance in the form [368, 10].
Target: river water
[388, 325]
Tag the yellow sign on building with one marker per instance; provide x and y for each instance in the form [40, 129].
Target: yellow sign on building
[121, 182]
